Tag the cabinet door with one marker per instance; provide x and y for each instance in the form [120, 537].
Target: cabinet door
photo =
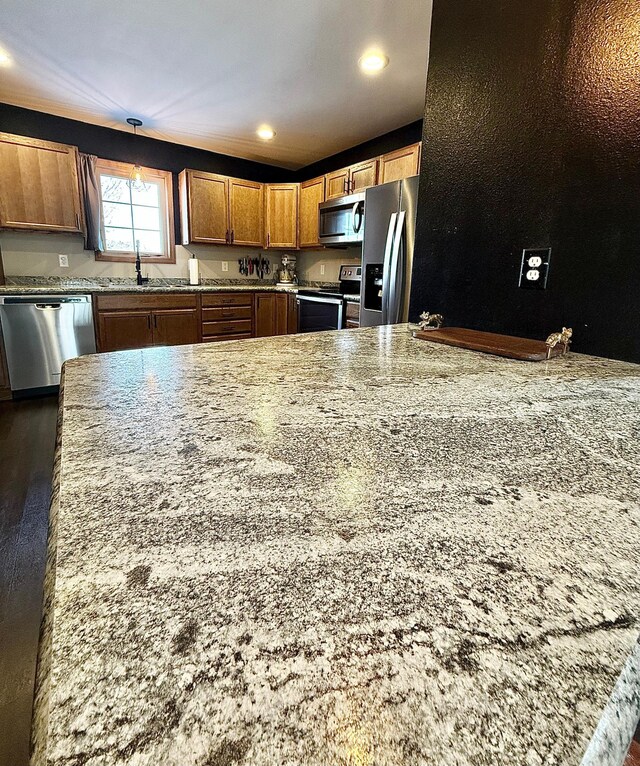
[282, 216]
[292, 317]
[282, 313]
[311, 195]
[265, 314]
[246, 205]
[363, 176]
[402, 163]
[207, 199]
[174, 327]
[337, 183]
[119, 330]
[38, 185]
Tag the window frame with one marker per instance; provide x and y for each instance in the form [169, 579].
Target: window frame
[123, 170]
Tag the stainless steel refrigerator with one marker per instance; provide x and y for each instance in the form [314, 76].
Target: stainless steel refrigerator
[387, 252]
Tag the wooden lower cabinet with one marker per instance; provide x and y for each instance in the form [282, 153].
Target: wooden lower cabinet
[227, 316]
[126, 321]
[175, 327]
[276, 314]
[120, 330]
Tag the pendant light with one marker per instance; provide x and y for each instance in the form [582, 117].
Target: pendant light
[136, 177]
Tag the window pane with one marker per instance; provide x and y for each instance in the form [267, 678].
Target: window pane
[114, 189]
[145, 194]
[149, 242]
[119, 239]
[146, 217]
[117, 214]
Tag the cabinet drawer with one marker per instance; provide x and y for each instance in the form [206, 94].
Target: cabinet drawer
[219, 313]
[226, 328]
[131, 301]
[216, 338]
[227, 299]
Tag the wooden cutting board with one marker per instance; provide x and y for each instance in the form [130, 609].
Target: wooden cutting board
[523, 349]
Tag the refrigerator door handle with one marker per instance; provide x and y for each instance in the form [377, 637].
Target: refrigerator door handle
[386, 268]
[396, 277]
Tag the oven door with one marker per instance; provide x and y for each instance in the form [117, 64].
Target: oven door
[317, 313]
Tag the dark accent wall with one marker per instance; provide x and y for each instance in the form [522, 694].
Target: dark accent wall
[532, 138]
[389, 142]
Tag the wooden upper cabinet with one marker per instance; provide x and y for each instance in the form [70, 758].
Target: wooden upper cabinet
[363, 176]
[39, 186]
[311, 195]
[282, 215]
[402, 163]
[204, 208]
[337, 183]
[246, 206]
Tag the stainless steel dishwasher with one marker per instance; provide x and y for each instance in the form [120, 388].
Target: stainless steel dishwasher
[41, 332]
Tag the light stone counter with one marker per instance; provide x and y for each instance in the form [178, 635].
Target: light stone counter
[346, 548]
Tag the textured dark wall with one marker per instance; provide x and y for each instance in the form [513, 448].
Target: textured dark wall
[389, 142]
[532, 138]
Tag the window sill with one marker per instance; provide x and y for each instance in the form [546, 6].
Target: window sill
[131, 258]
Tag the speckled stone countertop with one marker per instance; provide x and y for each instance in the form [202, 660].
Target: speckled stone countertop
[342, 549]
[78, 286]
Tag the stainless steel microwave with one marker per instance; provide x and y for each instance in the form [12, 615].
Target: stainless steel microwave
[341, 220]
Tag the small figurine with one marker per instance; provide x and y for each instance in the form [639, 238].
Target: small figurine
[559, 338]
[430, 321]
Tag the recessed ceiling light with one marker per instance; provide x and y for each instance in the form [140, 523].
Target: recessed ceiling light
[373, 62]
[265, 132]
[5, 58]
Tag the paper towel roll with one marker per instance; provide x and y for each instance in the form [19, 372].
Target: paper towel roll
[194, 271]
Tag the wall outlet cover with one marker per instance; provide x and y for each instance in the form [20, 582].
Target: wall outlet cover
[225, 265]
[534, 269]
[63, 261]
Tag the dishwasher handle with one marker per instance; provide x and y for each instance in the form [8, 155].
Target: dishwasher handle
[47, 306]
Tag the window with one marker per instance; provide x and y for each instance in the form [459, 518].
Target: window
[133, 213]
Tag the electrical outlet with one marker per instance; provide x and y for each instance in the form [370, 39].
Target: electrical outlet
[322, 269]
[534, 269]
[225, 265]
[63, 261]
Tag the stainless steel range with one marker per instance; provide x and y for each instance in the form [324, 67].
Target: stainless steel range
[324, 308]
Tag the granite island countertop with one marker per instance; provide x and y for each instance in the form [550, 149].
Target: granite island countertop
[342, 548]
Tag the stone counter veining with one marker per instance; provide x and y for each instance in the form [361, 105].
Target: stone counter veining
[345, 548]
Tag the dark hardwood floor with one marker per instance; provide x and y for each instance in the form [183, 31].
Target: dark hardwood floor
[27, 441]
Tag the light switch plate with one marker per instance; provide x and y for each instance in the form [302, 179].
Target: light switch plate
[534, 270]
[322, 269]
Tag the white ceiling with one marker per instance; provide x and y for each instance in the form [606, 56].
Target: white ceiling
[206, 73]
